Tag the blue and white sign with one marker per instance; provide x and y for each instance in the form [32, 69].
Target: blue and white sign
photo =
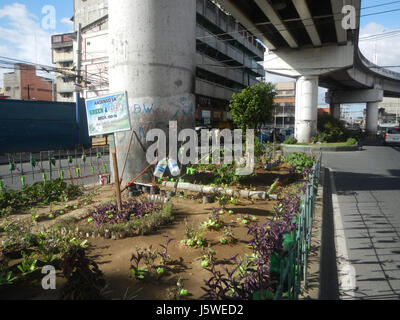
[108, 114]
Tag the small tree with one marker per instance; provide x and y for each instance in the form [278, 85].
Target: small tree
[253, 106]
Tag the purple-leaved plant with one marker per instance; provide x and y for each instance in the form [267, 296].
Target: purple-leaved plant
[108, 213]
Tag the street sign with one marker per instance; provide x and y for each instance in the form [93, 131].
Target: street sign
[108, 114]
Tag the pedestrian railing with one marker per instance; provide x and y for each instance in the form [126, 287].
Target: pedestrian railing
[294, 268]
[79, 166]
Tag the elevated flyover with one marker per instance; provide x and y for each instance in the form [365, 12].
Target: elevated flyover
[316, 42]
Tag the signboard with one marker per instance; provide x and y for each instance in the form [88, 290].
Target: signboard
[108, 114]
[205, 114]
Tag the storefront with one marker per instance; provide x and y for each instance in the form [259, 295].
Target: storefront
[212, 112]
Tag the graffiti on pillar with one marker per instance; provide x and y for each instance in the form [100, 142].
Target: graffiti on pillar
[156, 112]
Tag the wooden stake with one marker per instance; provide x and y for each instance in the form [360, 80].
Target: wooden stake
[113, 152]
[71, 177]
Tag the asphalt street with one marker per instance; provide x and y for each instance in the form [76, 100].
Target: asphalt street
[366, 195]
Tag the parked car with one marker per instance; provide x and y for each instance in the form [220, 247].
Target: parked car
[392, 136]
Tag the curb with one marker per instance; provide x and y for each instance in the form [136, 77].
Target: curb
[294, 148]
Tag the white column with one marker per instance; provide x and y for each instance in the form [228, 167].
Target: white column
[306, 108]
[152, 49]
[335, 110]
[372, 117]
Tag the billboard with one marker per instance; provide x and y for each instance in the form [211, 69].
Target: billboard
[108, 114]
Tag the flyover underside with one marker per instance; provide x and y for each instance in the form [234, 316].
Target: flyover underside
[315, 43]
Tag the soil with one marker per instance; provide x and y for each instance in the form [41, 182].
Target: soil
[113, 256]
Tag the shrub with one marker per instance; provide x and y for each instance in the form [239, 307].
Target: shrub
[351, 142]
[290, 141]
[321, 137]
[300, 161]
[85, 281]
[40, 192]
[331, 129]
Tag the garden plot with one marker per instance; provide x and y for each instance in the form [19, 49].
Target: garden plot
[174, 250]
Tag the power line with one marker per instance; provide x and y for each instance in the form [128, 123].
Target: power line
[381, 35]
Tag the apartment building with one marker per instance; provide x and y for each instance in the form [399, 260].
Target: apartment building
[25, 84]
[227, 58]
[63, 57]
[390, 108]
[285, 101]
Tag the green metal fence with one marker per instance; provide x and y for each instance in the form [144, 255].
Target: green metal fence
[294, 268]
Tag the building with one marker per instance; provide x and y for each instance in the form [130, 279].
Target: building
[323, 112]
[227, 58]
[62, 46]
[24, 84]
[285, 105]
[390, 110]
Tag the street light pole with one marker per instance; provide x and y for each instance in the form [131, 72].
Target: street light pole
[78, 81]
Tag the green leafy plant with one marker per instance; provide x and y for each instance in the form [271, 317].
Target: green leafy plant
[194, 236]
[300, 161]
[229, 235]
[85, 281]
[290, 140]
[223, 200]
[331, 129]
[214, 221]
[38, 193]
[28, 265]
[351, 142]
[7, 278]
[6, 275]
[253, 106]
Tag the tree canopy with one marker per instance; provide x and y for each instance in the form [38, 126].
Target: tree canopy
[254, 106]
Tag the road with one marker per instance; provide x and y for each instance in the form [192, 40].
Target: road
[366, 210]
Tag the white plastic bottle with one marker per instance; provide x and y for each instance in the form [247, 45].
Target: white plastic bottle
[160, 168]
[174, 168]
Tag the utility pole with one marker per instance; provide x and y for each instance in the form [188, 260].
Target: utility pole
[78, 79]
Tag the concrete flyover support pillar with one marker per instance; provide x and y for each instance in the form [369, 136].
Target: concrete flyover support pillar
[372, 117]
[152, 49]
[335, 110]
[306, 108]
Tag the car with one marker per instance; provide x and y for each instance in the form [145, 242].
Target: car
[392, 136]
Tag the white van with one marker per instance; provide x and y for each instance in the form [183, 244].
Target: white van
[392, 136]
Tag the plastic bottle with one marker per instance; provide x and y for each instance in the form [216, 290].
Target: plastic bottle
[174, 168]
[160, 169]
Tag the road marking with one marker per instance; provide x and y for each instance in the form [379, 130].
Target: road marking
[346, 271]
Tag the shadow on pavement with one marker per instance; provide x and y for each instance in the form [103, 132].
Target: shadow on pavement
[329, 283]
[350, 181]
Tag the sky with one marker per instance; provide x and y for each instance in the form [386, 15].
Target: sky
[26, 28]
